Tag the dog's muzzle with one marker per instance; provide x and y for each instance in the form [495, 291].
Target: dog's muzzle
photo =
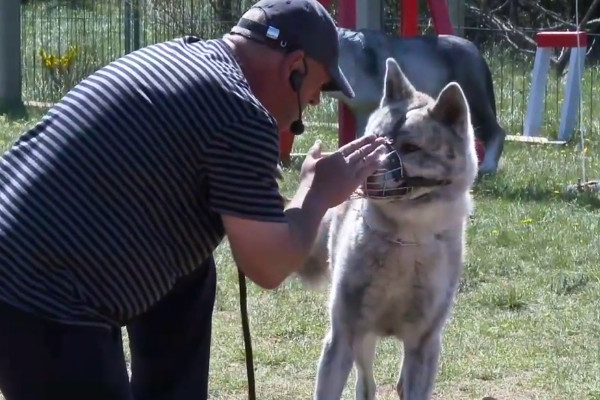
[391, 182]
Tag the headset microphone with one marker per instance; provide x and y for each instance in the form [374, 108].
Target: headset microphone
[297, 127]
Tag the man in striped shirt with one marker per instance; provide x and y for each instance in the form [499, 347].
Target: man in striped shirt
[111, 206]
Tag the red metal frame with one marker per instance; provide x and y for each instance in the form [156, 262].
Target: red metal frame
[346, 121]
[409, 10]
[441, 17]
[561, 39]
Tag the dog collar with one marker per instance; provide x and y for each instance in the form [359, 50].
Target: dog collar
[385, 236]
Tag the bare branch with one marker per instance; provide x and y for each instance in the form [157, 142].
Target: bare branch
[562, 60]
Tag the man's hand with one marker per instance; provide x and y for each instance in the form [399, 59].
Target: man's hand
[335, 177]
[268, 253]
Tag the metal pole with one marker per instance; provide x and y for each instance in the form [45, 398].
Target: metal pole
[369, 14]
[136, 24]
[11, 102]
[347, 121]
[127, 25]
[457, 11]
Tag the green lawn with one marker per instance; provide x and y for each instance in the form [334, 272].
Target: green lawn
[526, 324]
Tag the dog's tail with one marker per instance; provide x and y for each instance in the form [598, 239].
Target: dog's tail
[314, 273]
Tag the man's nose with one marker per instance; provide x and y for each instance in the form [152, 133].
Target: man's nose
[315, 100]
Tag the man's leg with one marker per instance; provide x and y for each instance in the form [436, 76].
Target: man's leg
[170, 344]
[45, 360]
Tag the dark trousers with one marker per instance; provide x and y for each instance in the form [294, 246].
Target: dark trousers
[170, 347]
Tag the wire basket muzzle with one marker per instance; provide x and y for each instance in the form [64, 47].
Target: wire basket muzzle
[386, 182]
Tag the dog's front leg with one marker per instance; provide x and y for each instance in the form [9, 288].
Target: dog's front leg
[420, 368]
[334, 365]
[364, 354]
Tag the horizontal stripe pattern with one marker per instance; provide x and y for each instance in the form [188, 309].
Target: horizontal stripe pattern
[117, 191]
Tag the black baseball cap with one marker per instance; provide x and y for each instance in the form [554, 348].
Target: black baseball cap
[290, 25]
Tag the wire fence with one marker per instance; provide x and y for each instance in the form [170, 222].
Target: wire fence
[65, 40]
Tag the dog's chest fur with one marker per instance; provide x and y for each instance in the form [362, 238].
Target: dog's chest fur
[392, 283]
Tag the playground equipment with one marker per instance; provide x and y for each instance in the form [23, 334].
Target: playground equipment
[546, 41]
[359, 14]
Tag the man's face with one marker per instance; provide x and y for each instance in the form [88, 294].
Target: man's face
[315, 77]
[312, 85]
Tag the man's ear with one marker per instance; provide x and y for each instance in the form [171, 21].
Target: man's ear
[290, 63]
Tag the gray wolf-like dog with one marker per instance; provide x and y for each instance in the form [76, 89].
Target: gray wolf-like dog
[430, 63]
[395, 263]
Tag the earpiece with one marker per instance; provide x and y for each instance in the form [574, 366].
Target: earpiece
[296, 79]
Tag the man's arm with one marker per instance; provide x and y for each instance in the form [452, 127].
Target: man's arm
[268, 252]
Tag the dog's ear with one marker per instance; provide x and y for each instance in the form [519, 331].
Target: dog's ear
[451, 108]
[396, 87]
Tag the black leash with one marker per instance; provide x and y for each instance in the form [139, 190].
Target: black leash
[247, 338]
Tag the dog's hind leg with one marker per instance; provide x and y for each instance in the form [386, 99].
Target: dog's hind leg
[364, 354]
[334, 365]
[420, 367]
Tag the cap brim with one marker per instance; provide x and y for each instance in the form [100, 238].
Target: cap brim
[338, 82]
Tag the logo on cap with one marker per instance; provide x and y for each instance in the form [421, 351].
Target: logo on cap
[272, 33]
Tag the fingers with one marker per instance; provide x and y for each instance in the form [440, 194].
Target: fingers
[363, 152]
[370, 163]
[315, 150]
[354, 145]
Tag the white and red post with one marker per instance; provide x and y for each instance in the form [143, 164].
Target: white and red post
[546, 41]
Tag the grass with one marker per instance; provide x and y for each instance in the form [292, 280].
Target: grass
[101, 31]
[526, 324]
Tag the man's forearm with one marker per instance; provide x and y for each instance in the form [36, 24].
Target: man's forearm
[270, 252]
[305, 213]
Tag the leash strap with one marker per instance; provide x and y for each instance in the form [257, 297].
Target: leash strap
[247, 338]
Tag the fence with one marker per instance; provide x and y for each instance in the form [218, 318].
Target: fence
[65, 40]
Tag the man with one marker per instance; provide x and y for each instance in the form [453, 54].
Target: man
[111, 206]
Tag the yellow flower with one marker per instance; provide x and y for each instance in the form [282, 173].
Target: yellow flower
[56, 62]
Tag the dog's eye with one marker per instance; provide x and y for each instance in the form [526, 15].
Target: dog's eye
[409, 148]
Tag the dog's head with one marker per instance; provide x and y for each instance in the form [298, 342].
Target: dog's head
[431, 150]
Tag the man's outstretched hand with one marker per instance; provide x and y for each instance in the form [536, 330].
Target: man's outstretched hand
[268, 252]
[333, 178]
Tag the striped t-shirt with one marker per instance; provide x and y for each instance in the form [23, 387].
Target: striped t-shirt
[118, 190]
